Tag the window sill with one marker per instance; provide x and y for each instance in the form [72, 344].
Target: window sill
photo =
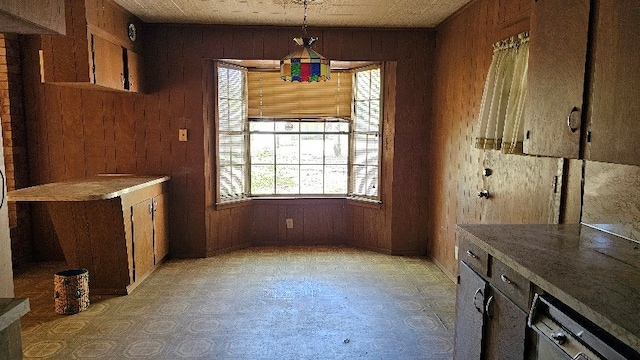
[297, 200]
[362, 202]
[374, 204]
[233, 204]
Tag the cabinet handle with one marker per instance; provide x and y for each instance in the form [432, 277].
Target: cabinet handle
[504, 278]
[571, 127]
[3, 189]
[487, 306]
[472, 255]
[475, 296]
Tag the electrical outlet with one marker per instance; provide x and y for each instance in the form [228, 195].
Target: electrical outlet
[182, 135]
[289, 223]
[456, 252]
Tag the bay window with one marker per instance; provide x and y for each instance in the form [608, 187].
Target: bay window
[278, 139]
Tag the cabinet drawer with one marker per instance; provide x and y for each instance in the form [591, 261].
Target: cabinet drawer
[512, 284]
[474, 256]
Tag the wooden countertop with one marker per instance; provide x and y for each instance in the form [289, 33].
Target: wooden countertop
[593, 272]
[100, 187]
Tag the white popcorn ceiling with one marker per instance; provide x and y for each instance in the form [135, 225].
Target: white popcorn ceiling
[320, 13]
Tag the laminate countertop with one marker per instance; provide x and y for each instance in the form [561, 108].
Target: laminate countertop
[593, 272]
[100, 187]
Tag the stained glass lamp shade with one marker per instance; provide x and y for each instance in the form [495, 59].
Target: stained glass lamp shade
[304, 64]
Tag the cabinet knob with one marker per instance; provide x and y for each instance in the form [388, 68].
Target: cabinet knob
[483, 194]
[487, 307]
[475, 299]
[505, 279]
[570, 120]
[559, 337]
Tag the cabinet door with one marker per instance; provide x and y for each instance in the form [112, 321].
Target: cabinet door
[160, 223]
[107, 63]
[505, 328]
[142, 230]
[135, 73]
[557, 57]
[469, 314]
[615, 84]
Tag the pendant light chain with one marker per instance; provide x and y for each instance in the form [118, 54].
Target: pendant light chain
[304, 23]
[304, 64]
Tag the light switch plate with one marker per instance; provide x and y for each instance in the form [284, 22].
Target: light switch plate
[289, 223]
[182, 135]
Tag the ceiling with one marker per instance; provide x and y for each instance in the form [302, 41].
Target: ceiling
[321, 13]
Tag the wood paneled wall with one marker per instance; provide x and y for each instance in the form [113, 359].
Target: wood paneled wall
[15, 144]
[409, 55]
[315, 222]
[76, 132]
[523, 186]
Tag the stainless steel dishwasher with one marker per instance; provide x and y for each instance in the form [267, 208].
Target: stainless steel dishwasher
[562, 333]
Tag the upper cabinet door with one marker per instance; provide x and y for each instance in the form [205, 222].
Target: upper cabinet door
[107, 64]
[614, 122]
[557, 58]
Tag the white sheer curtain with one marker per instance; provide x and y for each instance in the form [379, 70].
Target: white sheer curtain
[501, 122]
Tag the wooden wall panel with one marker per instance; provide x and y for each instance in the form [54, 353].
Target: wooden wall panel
[14, 133]
[411, 158]
[138, 133]
[315, 222]
[125, 132]
[74, 140]
[463, 54]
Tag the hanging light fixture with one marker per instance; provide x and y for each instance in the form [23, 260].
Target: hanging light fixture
[304, 64]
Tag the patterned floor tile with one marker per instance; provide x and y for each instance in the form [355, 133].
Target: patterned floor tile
[257, 303]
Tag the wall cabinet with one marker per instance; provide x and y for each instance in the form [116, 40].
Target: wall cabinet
[32, 16]
[556, 72]
[97, 50]
[489, 324]
[565, 68]
[614, 105]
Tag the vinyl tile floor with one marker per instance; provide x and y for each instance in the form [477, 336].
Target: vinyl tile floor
[257, 303]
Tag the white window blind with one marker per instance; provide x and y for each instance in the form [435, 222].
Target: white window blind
[232, 125]
[366, 135]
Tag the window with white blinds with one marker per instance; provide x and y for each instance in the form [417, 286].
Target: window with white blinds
[366, 136]
[232, 133]
[312, 142]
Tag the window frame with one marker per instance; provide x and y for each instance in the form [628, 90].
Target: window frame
[301, 133]
[247, 195]
[377, 199]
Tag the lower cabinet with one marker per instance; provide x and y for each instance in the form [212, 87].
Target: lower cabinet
[470, 300]
[488, 324]
[146, 221]
[149, 236]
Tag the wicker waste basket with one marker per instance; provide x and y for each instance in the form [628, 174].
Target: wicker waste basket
[71, 291]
